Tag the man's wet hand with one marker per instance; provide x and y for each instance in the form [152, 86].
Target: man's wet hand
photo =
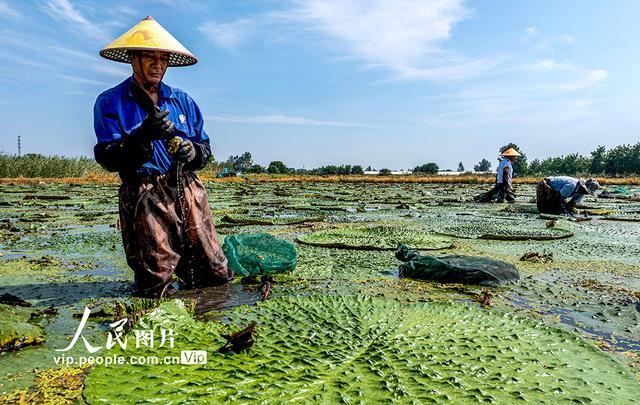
[186, 151]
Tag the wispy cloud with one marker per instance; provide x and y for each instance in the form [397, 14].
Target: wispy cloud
[548, 65]
[280, 119]
[92, 62]
[84, 80]
[531, 31]
[227, 35]
[6, 11]
[531, 101]
[19, 60]
[65, 11]
[404, 36]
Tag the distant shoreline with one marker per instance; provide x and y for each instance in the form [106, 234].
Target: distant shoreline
[108, 178]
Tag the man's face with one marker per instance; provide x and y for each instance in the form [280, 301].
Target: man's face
[150, 65]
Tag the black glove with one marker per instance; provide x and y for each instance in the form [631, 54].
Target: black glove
[186, 152]
[155, 126]
[138, 146]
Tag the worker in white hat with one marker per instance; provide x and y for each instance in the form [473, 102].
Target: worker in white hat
[153, 136]
[503, 188]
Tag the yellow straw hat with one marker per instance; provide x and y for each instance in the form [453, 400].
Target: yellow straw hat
[510, 153]
[148, 35]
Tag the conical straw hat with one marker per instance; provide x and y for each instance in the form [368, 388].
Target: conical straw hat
[510, 152]
[148, 35]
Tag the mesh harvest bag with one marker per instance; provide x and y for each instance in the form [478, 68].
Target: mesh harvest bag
[455, 268]
[256, 254]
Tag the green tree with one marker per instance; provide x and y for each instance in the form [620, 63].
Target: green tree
[460, 167]
[277, 167]
[256, 168]
[384, 172]
[520, 164]
[598, 157]
[623, 160]
[535, 167]
[241, 163]
[483, 166]
[427, 168]
[357, 169]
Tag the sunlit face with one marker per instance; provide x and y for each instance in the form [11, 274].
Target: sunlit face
[150, 65]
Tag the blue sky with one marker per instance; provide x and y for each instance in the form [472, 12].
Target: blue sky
[391, 83]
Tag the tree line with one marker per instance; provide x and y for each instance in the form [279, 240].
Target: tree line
[622, 160]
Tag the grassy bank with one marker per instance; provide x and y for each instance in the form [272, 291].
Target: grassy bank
[34, 165]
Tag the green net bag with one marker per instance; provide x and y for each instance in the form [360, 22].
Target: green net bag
[261, 253]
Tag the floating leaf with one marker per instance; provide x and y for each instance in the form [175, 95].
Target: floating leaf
[376, 238]
[351, 348]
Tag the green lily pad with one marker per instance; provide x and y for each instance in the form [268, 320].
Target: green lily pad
[508, 230]
[350, 348]
[15, 330]
[624, 217]
[376, 238]
[241, 219]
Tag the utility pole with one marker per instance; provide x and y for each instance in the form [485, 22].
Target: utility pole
[19, 146]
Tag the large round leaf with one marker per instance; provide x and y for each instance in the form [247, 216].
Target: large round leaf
[504, 229]
[341, 349]
[376, 238]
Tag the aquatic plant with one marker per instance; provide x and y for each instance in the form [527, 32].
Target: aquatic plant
[240, 219]
[353, 348]
[15, 329]
[376, 238]
[494, 228]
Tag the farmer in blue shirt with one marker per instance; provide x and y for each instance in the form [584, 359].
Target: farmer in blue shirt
[503, 188]
[552, 194]
[153, 136]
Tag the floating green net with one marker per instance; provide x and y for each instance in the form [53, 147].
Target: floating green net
[256, 254]
[351, 349]
[376, 238]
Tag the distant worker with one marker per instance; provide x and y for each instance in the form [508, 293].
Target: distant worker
[552, 194]
[153, 135]
[503, 189]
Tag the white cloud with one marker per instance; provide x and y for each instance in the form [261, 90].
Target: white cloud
[83, 80]
[227, 35]
[531, 31]
[548, 65]
[92, 62]
[561, 95]
[7, 11]
[461, 68]
[584, 80]
[280, 119]
[19, 60]
[65, 11]
[404, 36]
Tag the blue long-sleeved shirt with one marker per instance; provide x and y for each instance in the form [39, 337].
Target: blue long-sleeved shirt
[568, 187]
[117, 112]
